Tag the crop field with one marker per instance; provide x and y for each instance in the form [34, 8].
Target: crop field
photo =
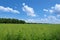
[29, 32]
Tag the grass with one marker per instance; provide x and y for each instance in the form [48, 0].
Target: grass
[29, 32]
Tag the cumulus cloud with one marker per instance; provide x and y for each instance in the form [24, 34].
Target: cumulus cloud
[33, 20]
[8, 9]
[45, 10]
[51, 11]
[57, 7]
[49, 19]
[53, 19]
[54, 9]
[28, 10]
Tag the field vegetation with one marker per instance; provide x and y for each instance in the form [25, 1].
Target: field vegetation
[29, 32]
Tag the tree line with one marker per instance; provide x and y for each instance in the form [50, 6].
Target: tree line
[8, 20]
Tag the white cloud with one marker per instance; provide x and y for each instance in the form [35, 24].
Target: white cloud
[45, 10]
[30, 20]
[44, 20]
[51, 11]
[23, 4]
[28, 10]
[33, 20]
[8, 9]
[57, 7]
[54, 19]
[49, 19]
[54, 9]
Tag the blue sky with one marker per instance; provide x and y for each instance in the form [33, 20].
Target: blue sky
[40, 11]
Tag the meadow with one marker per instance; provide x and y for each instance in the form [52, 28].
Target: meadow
[29, 31]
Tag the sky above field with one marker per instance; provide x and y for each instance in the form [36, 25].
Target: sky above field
[39, 11]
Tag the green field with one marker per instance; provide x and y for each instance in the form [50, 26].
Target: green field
[29, 32]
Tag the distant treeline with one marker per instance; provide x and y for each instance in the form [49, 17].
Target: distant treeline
[16, 21]
[8, 20]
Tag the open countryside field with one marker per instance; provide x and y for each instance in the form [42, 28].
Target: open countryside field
[29, 32]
